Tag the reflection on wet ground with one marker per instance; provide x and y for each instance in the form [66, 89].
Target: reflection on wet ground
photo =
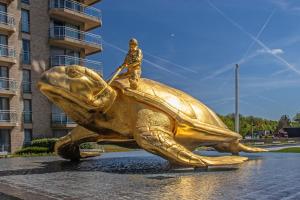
[139, 175]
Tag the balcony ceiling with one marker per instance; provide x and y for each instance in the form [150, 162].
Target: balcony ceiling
[90, 2]
[76, 44]
[75, 18]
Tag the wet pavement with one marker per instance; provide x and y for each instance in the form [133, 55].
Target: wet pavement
[139, 175]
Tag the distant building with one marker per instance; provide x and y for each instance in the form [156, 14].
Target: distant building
[292, 132]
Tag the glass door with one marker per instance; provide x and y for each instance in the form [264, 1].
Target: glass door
[4, 84]
[3, 13]
[3, 45]
[4, 109]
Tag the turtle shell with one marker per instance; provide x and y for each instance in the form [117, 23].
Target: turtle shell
[185, 109]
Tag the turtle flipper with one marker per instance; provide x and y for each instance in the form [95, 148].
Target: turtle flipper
[236, 147]
[154, 134]
[162, 143]
[68, 146]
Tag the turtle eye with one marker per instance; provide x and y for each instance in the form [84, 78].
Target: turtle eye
[73, 73]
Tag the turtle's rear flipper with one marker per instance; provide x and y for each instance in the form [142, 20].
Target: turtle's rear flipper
[236, 147]
[250, 149]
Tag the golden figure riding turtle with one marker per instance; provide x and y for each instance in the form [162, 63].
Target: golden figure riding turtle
[158, 118]
[132, 62]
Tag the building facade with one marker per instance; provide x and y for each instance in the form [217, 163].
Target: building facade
[36, 35]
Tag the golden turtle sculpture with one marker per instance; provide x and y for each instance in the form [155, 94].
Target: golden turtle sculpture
[158, 118]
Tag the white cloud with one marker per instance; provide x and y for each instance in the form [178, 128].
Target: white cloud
[271, 51]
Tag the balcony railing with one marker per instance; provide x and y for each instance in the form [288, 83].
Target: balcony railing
[26, 87]
[64, 60]
[61, 119]
[7, 51]
[27, 116]
[63, 32]
[76, 7]
[7, 19]
[8, 84]
[8, 116]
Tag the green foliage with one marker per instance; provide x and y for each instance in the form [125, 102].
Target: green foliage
[289, 150]
[32, 150]
[42, 146]
[44, 142]
[86, 146]
[249, 122]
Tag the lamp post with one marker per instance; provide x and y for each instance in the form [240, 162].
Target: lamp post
[237, 114]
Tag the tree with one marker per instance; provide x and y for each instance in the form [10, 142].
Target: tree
[284, 122]
[296, 118]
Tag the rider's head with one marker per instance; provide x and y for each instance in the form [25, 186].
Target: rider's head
[133, 43]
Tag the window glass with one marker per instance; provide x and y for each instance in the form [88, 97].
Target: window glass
[26, 51]
[25, 21]
[27, 136]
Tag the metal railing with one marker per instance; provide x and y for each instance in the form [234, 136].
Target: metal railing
[7, 51]
[8, 84]
[26, 57]
[62, 32]
[76, 7]
[27, 116]
[26, 87]
[7, 19]
[9, 116]
[64, 60]
[61, 119]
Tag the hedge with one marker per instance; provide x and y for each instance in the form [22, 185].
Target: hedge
[32, 150]
[44, 142]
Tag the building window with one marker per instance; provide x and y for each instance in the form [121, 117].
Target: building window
[26, 51]
[4, 51]
[27, 111]
[4, 140]
[26, 82]
[4, 109]
[27, 137]
[3, 14]
[4, 81]
[25, 21]
[60, 132]
[25, 1]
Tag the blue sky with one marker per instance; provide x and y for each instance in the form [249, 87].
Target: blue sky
[193, 46]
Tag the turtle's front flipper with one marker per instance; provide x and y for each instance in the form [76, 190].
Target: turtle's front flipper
[154, 134]
[68, 146]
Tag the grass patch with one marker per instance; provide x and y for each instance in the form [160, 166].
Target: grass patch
[289, 150]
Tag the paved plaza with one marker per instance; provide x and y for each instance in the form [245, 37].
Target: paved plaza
[139, 175]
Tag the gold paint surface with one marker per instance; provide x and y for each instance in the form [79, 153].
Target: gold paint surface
[158, 118]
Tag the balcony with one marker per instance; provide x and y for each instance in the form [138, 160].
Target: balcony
[7, 55]
[64, 60]
[8, 118]
[61, 120]
[7, 23]
[75, 12]
[8, 86]
[68, 37]
[27, 117]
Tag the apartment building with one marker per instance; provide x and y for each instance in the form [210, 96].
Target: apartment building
[36, 35]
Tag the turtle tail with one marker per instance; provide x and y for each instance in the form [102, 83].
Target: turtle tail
[249, 149]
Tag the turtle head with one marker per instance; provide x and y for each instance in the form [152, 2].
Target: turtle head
[78, 91]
